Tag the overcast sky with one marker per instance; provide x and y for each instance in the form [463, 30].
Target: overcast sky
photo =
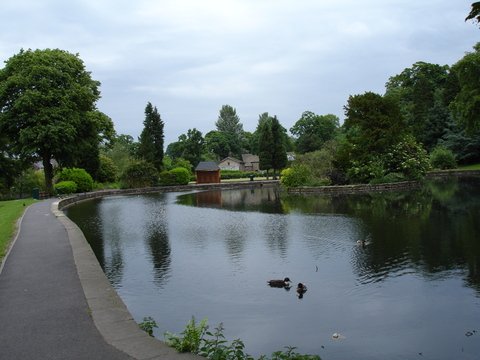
[190, 57]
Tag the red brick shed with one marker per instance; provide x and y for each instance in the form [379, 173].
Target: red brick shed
[207, 172]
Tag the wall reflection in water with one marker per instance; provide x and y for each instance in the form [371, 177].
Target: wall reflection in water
[209, 254]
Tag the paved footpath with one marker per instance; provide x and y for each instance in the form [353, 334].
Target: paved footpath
[45, 310]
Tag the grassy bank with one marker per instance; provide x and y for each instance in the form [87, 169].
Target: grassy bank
[10, 212]
[470, 167]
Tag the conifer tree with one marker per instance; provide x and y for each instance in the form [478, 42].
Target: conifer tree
[151, 139]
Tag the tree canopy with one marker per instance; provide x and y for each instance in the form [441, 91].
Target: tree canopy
[312, 131]
[150, 146]
[47, 106]
[466, 104]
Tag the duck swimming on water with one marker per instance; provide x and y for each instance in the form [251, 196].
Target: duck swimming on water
[285, 283]
[301, 289]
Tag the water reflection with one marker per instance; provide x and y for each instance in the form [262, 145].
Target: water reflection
[433, 229]
[413, 287]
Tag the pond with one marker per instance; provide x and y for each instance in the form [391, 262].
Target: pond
[413, 291]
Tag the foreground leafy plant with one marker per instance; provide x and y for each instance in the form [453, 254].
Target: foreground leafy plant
[148, 324]
[216, 347]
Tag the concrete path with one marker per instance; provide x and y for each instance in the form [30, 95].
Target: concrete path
[56, 303]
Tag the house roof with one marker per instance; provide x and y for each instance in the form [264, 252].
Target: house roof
[207, 166]
[231, 159]
[250, 158]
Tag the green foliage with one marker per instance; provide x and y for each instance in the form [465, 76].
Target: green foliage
[122, 152]
[442, 158]
[65, 187]
[138, 175]
[364, 172]
[79, 176]
[150, 146]
[230, 133]
[272, 150]
[189, 146]
[11, 211]
[176, 176]
[191, 339]
[295, 176]
[46, 101]
[197, 339]
[235, 174]
[407, 157]
[420, 93]
[466, 104]
[373, 123]
[25, 182]
[474, 14]
[312, 131]
[148, 324]
[107, 172]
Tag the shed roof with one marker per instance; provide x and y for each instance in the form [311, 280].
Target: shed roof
[250, 158]
[207, 166]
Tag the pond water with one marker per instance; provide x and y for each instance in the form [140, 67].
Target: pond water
[412, 292]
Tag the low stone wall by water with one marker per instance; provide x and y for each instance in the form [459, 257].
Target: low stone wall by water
[162, 189]
[366, 188]
[356, 189]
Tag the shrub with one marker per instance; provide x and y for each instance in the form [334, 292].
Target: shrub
[442, 158]
[408, 158]
[182, 175]
[79, 176]
[65, 187]
[138, 175]
[177, 176]
[295, 176]
[107, 171]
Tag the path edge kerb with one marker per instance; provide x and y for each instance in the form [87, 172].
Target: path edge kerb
[108, 311]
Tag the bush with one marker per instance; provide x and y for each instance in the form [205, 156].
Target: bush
[295, 176]
[138, 175]
[408, 158]
[182, 175]
[442, 158]
[107, 171]
[65, 187]
[236, 174]
[79, 176]
[177, 176]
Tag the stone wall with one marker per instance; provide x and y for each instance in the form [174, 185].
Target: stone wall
[63, 203]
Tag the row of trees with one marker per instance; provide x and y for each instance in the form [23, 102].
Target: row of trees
[48, 111]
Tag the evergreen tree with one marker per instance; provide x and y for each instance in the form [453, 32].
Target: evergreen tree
[151, 139]
[229, 124]
[271, 144]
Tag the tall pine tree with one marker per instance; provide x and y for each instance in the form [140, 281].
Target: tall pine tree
[151, 139]
[271, 146]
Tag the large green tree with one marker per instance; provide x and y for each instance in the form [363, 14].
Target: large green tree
[150, 146]
[466, 104]
[311, 131]
[190, 146]
[228, 123]
[46, 102]
[271, 144]
[420, 91]
[373, 122]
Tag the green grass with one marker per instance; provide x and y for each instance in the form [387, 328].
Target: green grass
[470, 167]
[10, 212]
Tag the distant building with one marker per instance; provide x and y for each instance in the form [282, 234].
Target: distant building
[230, 163]
[207, 172]
[290, 156]
[249, 162]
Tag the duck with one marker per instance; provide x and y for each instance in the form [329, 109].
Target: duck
[301, 289]
[285, 283]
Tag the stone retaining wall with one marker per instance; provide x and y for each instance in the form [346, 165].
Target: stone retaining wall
[162, 189]
[366, 188]
[338, 189]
